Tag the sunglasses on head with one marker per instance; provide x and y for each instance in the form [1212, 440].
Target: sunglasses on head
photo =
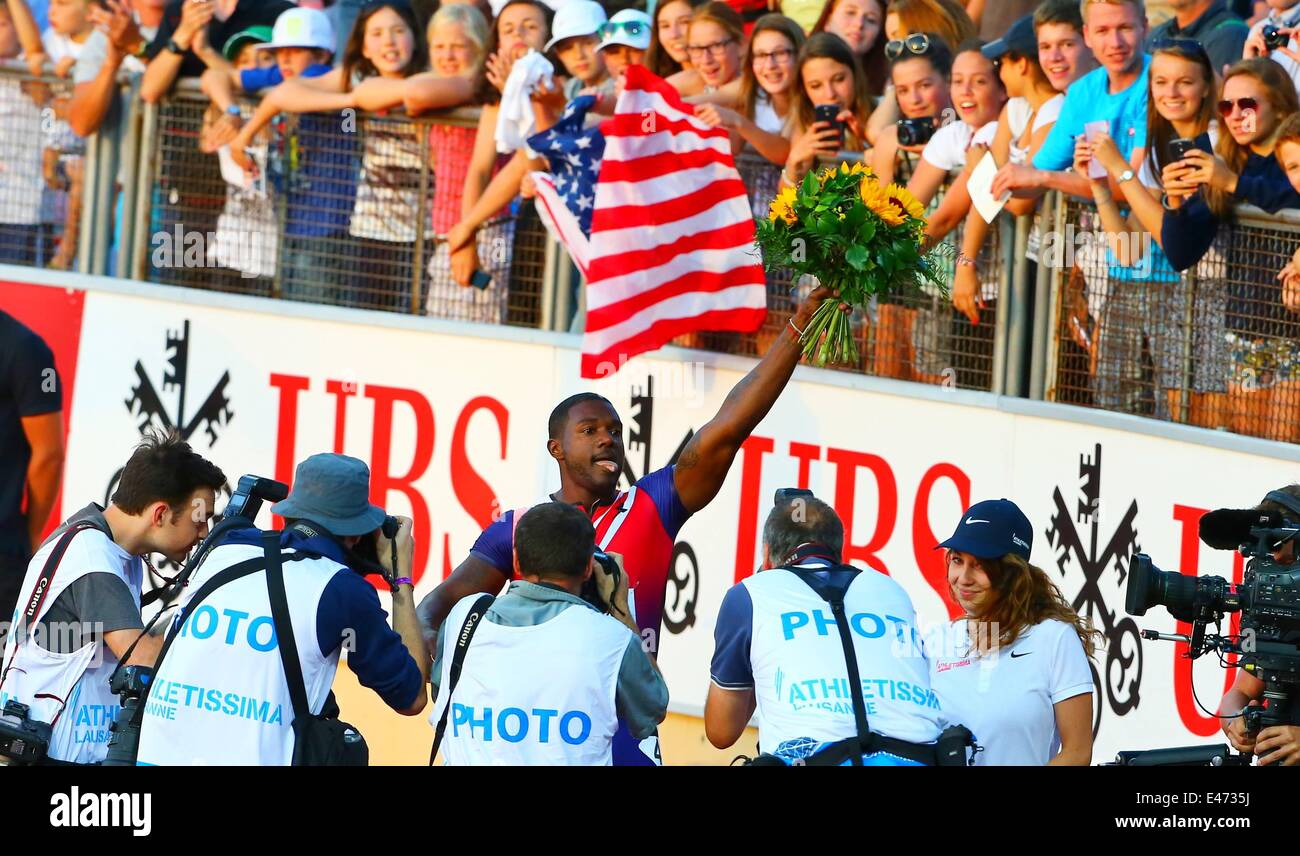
[917, 43]
[1242, 104]
[1190, 46]
[631, 28]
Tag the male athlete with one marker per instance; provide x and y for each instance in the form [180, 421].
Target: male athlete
[641, 523]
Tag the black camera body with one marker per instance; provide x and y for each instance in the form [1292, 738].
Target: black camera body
[23, 740]
[1272, 38]
[590, 593]
[915, 132]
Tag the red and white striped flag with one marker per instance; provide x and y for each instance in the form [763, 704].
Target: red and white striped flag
[671, 249]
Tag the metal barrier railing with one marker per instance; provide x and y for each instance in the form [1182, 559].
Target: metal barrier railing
[1213, 347]
[343, 214]
[352, 208]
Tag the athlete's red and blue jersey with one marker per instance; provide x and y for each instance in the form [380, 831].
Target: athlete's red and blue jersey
[640, 524]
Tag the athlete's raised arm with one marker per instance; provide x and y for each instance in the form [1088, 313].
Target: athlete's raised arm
[702, 467]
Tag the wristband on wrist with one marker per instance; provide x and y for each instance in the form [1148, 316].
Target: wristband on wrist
[403, 581]
[174, 47]
[233, 110]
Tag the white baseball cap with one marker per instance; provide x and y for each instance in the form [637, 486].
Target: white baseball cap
[629, 27]
[302, 28]
[576, 18]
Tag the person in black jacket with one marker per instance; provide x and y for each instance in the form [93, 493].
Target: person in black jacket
[1200, 193]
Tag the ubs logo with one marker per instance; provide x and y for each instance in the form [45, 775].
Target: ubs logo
[152, 411]
[1084, 555]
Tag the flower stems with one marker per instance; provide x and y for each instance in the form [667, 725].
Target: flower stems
[829, 337]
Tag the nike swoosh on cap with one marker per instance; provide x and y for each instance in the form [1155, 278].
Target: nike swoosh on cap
[970, 520]
[1021, 654]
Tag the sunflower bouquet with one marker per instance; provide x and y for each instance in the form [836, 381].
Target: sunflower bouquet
[856, 237]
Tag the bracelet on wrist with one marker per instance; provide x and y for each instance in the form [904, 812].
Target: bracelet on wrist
[175, 47]
[403, 581]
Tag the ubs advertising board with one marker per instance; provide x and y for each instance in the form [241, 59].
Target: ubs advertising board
[452, 421]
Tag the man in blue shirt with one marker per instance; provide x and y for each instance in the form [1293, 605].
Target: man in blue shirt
[1117, 92]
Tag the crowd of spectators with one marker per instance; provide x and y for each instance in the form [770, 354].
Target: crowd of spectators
[1157, 119]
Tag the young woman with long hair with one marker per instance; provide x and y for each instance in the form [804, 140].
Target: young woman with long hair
[1201, 191]
[763, 108]
[715, 46]
[860, 23]
[828, 73]
[1014, 668]
[1182, 100]
[668, 48]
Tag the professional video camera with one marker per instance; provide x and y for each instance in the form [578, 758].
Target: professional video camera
[1268, 599]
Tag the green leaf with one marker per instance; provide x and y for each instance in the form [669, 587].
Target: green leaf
[856, 256]
[809, 187]
[867, 230]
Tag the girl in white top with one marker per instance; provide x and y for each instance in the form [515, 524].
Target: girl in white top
[1036, 94]
[1015, 669]
[977, 96]
[764, 95]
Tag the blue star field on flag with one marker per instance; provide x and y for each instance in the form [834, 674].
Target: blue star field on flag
[574, 152]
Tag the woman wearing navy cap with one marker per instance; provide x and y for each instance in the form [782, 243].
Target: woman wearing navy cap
[1014, 669]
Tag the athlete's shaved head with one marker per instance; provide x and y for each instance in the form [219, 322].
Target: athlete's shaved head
[560, 415]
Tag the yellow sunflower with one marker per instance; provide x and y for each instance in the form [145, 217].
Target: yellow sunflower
[892, 204]
[908, 203]
[783, 206]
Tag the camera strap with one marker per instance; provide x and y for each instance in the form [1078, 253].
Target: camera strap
[41, 589]
[284, 627]
[834, 596]
[472, 620]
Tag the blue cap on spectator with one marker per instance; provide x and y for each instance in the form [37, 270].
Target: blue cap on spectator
[1020, 40]
[992, 529]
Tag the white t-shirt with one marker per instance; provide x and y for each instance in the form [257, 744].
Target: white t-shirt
[947, 148]
[1007, 699]
[1018, 113]
[765, 116]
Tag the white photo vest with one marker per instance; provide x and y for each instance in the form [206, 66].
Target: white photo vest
[540, 695]
[220, 696]
[69, 690]
[800, 678]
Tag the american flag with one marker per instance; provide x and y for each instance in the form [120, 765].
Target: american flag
[668, 247]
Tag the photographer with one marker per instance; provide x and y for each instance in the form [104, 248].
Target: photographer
[1277, 744]
[81, 595]
[221, 695]
[781, 650]
[541, 676]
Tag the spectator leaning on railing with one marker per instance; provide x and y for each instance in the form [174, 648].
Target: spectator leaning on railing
[121, 42]
[1026, 120]
[1152, 319]
[827, 73]
[1115, 93]
[920, 71]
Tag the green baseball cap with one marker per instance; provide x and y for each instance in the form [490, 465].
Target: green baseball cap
[256, 35]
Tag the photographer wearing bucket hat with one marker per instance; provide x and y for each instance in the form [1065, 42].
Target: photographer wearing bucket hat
[220, 695]
[1014, 668]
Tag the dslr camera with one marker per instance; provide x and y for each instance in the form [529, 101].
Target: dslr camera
[915, 132]
[1272, 38]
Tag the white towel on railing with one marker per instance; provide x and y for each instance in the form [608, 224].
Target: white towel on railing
[515, 122]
